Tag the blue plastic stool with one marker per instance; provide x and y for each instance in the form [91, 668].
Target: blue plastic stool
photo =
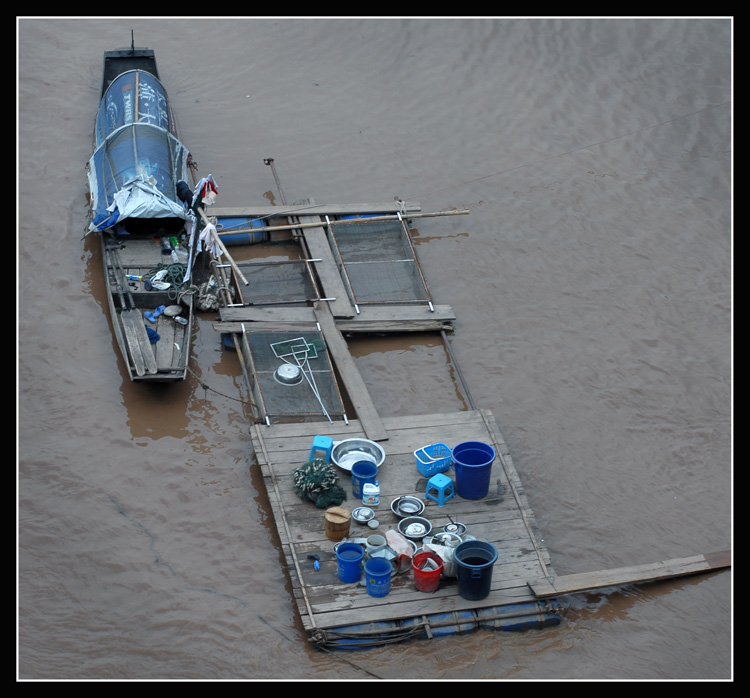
[324, 444]
[440, 488]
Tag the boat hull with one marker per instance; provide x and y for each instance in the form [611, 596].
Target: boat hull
[136, 175]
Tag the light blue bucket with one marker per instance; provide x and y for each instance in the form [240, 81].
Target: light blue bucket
[378, 576]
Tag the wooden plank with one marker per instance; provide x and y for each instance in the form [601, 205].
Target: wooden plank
[355, 386]
[372, 318]
[666, 569]
[166, 327]
[327, 270]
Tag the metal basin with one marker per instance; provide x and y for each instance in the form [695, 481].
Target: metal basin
[347, 452]
[407, 506]
[414, 527]
[363, 514]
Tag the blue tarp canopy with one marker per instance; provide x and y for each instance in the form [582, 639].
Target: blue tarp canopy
[138, 160]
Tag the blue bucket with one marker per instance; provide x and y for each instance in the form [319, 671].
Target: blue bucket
[378, 576]
[349, 557]
[363, 472]
[474, 561]
[472, 463]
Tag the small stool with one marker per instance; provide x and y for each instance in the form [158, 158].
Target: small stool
[443, 489]
[324, 444]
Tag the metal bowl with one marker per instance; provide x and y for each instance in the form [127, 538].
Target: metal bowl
[414, 527]
[455, 527]
[347, 452]
[407, 506]
[363, 514]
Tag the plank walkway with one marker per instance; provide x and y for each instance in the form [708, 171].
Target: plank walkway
[503, 518]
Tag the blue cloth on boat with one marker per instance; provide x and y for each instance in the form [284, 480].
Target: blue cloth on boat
[153, 335]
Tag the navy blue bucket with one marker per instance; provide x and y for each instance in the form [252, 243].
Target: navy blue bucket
[474, 561]
[472, 463]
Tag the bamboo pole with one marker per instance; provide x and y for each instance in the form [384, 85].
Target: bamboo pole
[221, 245]
[369, 219]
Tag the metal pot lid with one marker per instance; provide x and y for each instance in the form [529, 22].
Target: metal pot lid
[287, 374]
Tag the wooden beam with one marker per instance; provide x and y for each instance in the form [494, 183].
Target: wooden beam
[575, 583]
[372, 318]
[326, 268]
[350, 375]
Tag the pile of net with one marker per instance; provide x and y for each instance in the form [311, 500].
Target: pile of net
[316, 481]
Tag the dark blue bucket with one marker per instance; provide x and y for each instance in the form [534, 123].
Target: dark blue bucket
[363, 471]
[349, 557]
[474, 561]
[472, 463]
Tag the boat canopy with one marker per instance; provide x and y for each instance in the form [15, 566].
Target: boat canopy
[134, 96]
[138, 161]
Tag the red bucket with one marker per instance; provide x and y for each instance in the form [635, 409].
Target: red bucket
[428, 567]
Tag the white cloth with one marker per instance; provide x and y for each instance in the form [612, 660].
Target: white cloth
[209, 241]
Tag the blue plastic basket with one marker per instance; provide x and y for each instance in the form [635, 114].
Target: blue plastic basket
[433, 459]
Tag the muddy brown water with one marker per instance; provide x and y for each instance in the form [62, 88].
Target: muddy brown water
[592, 286]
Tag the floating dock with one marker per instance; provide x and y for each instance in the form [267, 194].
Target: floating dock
[309, 276]
[336, 613]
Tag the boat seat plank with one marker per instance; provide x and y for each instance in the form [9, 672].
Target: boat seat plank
[165, 349]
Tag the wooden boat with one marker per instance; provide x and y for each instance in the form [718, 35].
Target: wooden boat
[141, 207]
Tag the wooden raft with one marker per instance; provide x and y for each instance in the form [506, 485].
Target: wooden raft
[502, 518]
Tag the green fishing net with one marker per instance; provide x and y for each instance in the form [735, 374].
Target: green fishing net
[316, 481]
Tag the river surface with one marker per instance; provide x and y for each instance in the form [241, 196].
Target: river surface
[592, 281]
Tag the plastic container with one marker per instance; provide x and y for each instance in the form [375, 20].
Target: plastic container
[426, 575]
[363, 472]
[225, 227]
[378, 576]
[371, 494]
[349, 557]
[472, 463]
[433, 459]
[474, 561]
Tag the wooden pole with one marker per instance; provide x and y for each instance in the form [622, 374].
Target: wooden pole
[221, 245]
[369, 219]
